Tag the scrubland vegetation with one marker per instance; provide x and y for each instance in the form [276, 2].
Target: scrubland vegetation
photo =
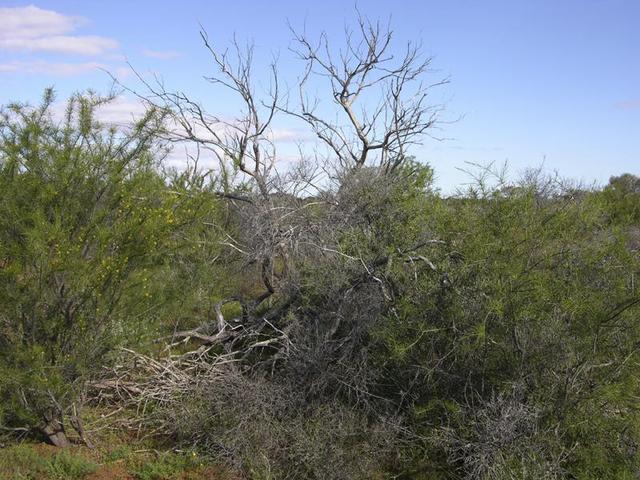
[335, 319]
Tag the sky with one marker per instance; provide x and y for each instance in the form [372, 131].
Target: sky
[545, 82]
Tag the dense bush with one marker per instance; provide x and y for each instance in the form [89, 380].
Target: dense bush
[487, 335]
[268, 431]
[89, 237]
[538, 312]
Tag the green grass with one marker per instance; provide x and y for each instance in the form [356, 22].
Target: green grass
[166, 466]
[115, 450]
[65, 465]
[30, 461]
[24, 462]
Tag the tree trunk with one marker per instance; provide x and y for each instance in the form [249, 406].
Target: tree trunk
[78, 425]
[54, 430]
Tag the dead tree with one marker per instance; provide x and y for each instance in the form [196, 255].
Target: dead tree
[242, 145]
[382, 101]
[264, 233]
[383, 104]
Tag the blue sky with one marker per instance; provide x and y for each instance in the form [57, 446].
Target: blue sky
[531, 81]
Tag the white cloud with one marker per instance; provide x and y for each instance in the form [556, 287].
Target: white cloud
[161, 54]
[291, 135]
[32, 29]
[121, 111]
[61, 69]
[184, 154]
[33, 22]
[88, 45]
[122, 72]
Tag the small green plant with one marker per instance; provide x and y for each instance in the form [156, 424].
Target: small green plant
[121, 452]
[67, 466]
[167, 466]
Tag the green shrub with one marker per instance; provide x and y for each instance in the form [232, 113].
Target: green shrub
[92, 247]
